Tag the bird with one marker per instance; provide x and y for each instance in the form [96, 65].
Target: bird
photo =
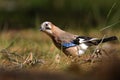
[71, 44]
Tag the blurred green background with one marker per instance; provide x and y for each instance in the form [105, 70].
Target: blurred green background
[85, 14]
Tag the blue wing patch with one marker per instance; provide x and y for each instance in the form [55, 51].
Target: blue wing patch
[67, 45]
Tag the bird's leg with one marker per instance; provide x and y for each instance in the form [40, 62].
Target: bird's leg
[74, 59]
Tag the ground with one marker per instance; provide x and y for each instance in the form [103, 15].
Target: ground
[33, 51]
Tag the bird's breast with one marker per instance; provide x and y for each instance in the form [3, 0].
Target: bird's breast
[57, 43]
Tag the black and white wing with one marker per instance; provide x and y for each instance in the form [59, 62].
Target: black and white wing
[93, 41]
[86, 40]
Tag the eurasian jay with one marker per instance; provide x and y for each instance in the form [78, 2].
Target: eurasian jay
[70, 44]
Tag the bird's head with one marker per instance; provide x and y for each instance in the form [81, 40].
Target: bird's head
[46, 27]
[50, 29]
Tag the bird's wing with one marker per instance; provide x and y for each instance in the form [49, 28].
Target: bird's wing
[67, 40]
[84, 39]
[68, 44]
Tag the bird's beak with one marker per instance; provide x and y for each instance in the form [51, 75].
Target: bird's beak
[41, 29]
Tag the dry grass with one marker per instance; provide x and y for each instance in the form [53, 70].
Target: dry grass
[33, 51]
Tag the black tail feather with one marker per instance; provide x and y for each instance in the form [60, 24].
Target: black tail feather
[96, 42]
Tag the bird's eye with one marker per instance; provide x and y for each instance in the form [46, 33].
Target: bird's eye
[46, 24]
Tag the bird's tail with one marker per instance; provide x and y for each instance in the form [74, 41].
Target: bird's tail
[96, 42]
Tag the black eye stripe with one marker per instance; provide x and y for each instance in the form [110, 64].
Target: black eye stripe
[47, 28]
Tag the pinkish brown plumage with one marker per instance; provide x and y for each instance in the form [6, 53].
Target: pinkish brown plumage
[70, 44]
